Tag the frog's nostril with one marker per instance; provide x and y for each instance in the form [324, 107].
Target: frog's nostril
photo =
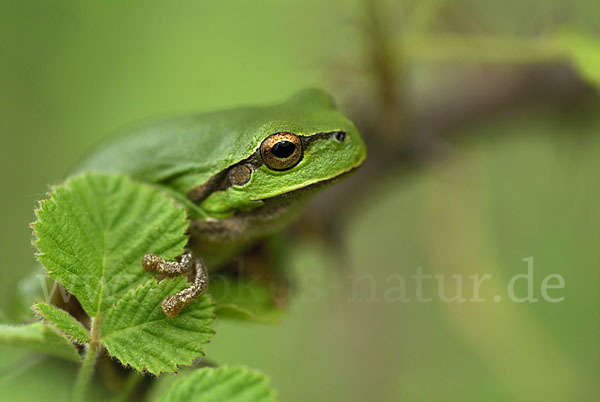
[340, 136]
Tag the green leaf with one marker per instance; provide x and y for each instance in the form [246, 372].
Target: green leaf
[92, 234]
[63, 321]
[39, 337]
[94, 230]
[223, 384]
[138, 333]
[28, 377]
[244, 299]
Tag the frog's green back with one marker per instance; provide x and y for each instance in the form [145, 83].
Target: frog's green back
[187, 151]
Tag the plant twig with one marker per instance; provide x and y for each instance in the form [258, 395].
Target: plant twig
[388, 69]
[89, 362]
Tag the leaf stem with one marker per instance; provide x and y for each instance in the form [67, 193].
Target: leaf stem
[87, 368]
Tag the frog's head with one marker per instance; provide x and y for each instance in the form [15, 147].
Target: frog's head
[293, 148]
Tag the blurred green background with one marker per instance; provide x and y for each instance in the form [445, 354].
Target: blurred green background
[484, 136]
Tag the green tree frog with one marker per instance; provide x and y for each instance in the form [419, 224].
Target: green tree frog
[243, 174]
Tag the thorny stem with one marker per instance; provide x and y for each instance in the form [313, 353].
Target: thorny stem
[89, 362]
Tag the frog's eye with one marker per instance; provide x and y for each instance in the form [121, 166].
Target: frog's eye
[281, 151]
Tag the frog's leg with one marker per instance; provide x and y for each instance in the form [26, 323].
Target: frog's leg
[186, 265]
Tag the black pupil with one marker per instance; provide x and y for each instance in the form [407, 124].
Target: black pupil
[283, 149]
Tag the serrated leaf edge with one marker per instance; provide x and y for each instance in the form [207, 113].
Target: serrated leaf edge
[50, 197]
[48, 327]
[45, 319]
[144, 369]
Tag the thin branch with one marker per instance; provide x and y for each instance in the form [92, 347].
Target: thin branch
[86, 371]
[87, 368]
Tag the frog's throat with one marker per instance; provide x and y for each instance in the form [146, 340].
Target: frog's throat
[211, 236]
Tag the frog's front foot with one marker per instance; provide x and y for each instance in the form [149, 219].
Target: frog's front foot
[186, 264]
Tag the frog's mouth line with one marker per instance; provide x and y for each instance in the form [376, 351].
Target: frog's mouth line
[311, 187]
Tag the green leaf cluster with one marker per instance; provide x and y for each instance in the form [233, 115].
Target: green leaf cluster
[91, 234]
